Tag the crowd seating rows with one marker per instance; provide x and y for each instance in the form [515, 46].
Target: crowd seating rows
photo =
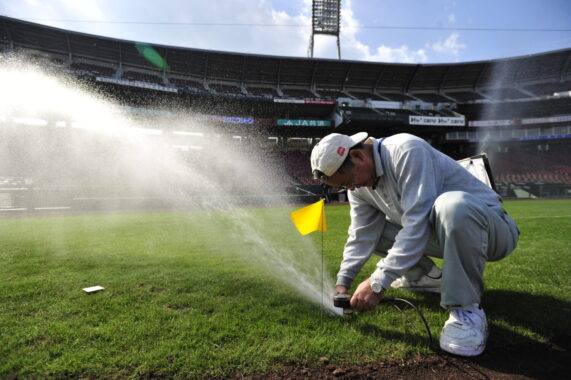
[522, 165]
[133, 75]
[225, 89]
[553, 167]
[297, 165]
[548, 169]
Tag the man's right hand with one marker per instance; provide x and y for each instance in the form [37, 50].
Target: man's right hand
[340, 289]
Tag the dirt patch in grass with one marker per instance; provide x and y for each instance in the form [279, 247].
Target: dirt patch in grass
[535, 361]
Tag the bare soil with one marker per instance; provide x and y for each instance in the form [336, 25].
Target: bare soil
[532, 361]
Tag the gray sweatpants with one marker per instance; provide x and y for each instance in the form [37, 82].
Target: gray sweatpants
[466, 234]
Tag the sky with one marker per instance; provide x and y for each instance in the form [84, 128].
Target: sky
[397, 31]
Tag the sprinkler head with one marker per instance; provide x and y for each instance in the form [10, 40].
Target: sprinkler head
[342, 301]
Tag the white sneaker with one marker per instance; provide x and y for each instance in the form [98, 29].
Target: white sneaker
[465, 332]
[430, 282]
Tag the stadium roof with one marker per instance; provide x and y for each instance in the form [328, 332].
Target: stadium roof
[512, 78]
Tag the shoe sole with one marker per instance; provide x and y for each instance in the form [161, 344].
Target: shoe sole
[462, 351]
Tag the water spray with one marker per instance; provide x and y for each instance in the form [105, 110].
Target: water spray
[62, 134]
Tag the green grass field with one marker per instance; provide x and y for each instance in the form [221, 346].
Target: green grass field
[188, 296]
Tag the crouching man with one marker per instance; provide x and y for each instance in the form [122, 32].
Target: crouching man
[410, 202]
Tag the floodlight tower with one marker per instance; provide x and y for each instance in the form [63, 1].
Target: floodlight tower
[325, 19]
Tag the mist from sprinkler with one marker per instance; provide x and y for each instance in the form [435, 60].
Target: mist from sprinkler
[62, 135]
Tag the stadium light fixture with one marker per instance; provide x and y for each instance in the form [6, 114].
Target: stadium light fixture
[326, 20]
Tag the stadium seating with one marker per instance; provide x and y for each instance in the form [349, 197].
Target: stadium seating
[225, 89]
[396, 97]
[519, 166]
[297, 165]
[137, 76]
[432, 98]
[250, 96]
[298, 93]
[94, 69]
[184, 83]
[263, 91]
[332, 94]
[365, 95]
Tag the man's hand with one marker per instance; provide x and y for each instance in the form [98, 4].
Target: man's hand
[364, 299]
[340, 289]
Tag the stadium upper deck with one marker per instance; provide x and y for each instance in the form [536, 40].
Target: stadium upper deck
[284, 77]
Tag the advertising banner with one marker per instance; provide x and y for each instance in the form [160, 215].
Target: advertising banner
[131, 83]
[546, 120]
[436, 120]
[491, 123]
[303, 101]
[303, 123]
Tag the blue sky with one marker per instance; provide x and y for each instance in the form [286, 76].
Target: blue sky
[411, 31]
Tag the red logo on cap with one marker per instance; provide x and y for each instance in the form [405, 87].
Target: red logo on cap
[341, 150]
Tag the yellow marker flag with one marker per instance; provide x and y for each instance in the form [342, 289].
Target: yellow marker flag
[310, 218]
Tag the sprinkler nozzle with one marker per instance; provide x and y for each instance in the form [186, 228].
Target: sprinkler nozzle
[343, 301]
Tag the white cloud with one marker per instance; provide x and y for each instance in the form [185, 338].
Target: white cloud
[452, 18]
[400, 54]
[353, 48]
[451, 46]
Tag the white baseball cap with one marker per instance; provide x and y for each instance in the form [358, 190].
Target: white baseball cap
[329, 153]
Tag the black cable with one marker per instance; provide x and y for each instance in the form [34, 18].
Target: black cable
[394, 302]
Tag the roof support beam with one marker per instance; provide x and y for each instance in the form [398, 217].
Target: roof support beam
[441, 84]
[279, 78]
[243, 76]
[487, 97]
[480, 75]
[346, 77]
[167, 61]
[120, 55]
[313, 72]
[69, 55]
[243, 71]
[205, 76]
[410, 79]
[477, 83]
[9, 33]
[443, 80]
[450, 97]
[527, 92]
[564, 68]
[379, 79]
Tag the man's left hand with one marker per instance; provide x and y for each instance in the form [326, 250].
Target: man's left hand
[364, 299]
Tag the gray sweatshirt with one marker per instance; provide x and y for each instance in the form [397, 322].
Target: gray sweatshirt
[411, 175]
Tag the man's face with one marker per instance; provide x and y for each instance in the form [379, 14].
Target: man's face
[361, 174]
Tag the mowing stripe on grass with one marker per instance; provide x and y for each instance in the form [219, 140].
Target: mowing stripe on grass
[543, 217]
